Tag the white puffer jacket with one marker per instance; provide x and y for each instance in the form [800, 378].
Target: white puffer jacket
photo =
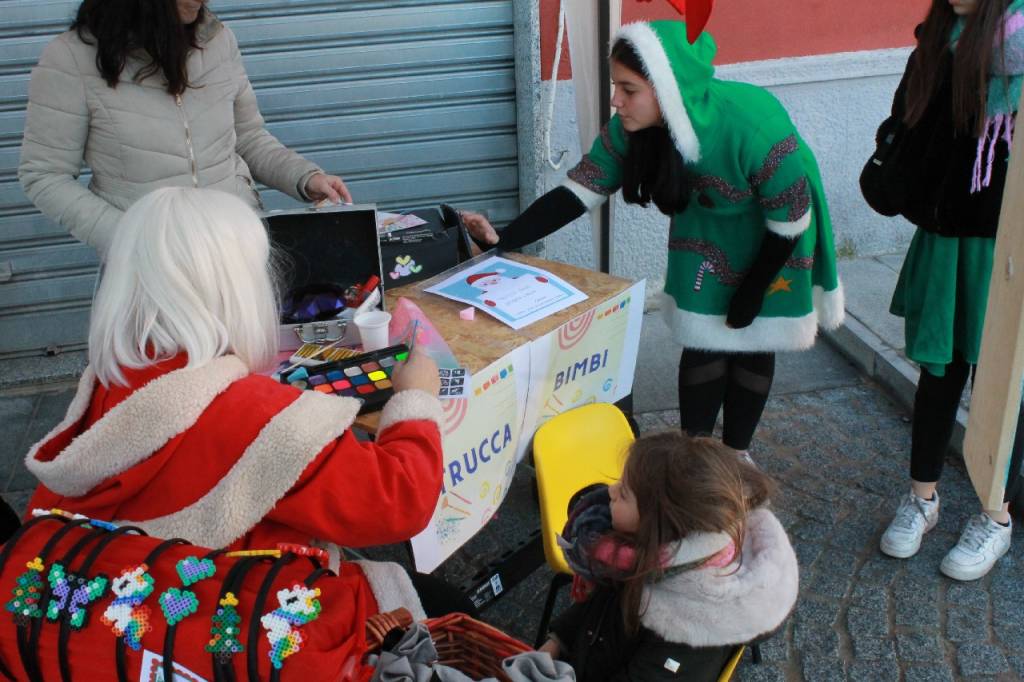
[137, 137]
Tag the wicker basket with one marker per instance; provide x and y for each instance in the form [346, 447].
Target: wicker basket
[471, 647]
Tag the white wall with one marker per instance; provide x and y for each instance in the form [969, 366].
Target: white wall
[836, 101]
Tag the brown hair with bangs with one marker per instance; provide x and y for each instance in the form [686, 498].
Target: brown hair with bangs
[684, 485]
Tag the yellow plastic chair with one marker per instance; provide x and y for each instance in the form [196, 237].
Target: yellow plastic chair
[583, 446]
[730, 666]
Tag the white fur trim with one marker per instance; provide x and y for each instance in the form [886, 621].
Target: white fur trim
[831, 306]
[659, 71]
[589, 198]
[790, 229]
[265, 472]
[765, 334]
[699, 545]
[410, 404]
[392, 587]
[134, 429]
[729, 605]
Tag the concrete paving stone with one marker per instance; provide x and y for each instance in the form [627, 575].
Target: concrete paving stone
[1011, 636]
[786, 518]
[33, 371]
[1017, 664]
[814, 510]
[870, 285]
[871, 597]
[925, 563]
[670, 417]
[879, 569]
[775, 650]
[831, 585]
[763, 672]
[857, 533]
[807, 553]
[981, 659]
[969, 595]
[966, 625]
[892, 260]
[916, 613]
[923, 588]
[658, 378]
[1006, 610]
[927, 673]
[917, 647]
[815, 640]
[822, 669]
[866, 648]
[874, 671]
[810, 530]
[839, 562]
[863, 623]
[811, 612]
[18, 500]
[814, 369]
[650, 422]
[16, 417]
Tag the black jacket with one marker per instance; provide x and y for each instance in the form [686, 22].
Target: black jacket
[595, 643]
[925, 172]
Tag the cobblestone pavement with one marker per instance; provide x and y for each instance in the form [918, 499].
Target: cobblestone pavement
[840, 456]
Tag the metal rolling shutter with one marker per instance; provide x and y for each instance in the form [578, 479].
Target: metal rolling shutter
[411, 102]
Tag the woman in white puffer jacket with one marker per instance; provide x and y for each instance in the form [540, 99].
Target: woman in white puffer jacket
[149, 93]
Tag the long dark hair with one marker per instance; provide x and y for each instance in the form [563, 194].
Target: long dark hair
[972, 62]
[653, 169]
[684, 485]
[121, 27]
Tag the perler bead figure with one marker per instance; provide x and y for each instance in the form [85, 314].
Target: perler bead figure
[224, 642]
[25, 601]
[298, 606]
[72, 594]
[126, 615]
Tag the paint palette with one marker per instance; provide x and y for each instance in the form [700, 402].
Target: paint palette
[366, 377]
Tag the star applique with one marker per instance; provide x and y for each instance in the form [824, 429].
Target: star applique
[780, 284]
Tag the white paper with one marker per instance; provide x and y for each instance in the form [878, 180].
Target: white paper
[512, 292]
[153, 670]
[393, 222]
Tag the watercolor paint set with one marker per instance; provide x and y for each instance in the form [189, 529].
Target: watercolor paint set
[366, 377]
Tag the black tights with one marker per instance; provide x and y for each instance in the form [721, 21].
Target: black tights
[709, 380]
[935, 406]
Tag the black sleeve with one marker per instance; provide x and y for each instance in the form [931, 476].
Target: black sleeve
[749, 297]
[568, 624]
[547, 214]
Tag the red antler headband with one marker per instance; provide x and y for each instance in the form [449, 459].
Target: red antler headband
[697, 14]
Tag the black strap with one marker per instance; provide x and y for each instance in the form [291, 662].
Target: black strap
[120, 648]
[168, 663]
[224, 669]
[35, 629]
[65, 625]
[257, 609]
[5, 554]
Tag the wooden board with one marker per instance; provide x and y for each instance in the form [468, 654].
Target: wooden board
[995, 402]
[484, 340]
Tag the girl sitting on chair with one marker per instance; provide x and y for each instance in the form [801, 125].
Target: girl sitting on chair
[675, 566]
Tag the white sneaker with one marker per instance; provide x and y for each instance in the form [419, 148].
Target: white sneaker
[914, 518]
[981, 544]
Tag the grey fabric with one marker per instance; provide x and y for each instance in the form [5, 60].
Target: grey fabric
[537, 666]
[414, 659]
[133, 137]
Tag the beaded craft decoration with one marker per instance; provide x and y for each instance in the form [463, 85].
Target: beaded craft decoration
[72, 593]
[29, 587]
[297, 607]
[126, 615]
[177, 604]
[224, 642]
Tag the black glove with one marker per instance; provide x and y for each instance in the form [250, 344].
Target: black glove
[547, 214]
[749, 297]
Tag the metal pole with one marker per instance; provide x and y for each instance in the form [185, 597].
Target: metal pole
[604, 79]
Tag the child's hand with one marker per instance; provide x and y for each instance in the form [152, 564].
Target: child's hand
[479, 227]
[418, 372]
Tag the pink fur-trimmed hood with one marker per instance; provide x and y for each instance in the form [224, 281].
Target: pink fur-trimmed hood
[725, 606]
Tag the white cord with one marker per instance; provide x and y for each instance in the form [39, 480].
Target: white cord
[555, 165]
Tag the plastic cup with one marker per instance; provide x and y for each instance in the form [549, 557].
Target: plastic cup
[373, 329]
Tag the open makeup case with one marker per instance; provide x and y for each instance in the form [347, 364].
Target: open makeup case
[330, 260]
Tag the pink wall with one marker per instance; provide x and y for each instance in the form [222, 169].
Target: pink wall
[750, 30]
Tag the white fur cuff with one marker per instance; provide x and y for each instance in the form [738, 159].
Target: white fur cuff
[831, 306]
[392, 588]
[590, 198]
[411, 404]
[790, 229]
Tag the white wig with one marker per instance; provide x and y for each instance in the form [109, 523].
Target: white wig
[188, 271]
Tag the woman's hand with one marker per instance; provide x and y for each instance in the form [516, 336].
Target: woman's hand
[321, 186]
[480, 229]
[418, 372]
[551, 647]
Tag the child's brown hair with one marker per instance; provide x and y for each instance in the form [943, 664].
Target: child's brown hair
[684, 485]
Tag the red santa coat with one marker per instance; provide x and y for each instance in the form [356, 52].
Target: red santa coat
[223, 458]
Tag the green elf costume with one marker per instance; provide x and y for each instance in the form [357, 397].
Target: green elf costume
[751, 266]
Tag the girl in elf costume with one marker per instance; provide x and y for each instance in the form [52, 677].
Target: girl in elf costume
[675, 565]
[751, 265]
[956, 106]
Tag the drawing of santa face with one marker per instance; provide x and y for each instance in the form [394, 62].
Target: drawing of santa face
[484, 280]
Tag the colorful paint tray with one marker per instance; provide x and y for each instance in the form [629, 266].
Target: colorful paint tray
[366, 377]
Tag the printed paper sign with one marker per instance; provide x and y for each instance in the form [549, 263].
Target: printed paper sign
[153, 670]
[589, 359]
[512, 292]
[480, 436]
